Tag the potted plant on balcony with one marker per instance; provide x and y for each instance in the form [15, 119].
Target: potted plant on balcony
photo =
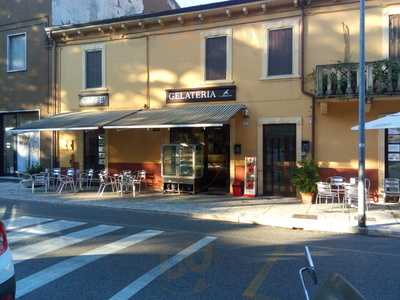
[304, 177]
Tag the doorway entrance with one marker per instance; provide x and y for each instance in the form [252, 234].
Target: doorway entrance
[94, 150]
[279, 156]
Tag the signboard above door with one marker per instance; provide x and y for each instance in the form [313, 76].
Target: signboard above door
[93, 100]
[206, 94]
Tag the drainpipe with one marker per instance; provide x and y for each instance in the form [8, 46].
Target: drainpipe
[303, 5]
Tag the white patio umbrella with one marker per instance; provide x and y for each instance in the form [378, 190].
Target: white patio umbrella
[389, 121]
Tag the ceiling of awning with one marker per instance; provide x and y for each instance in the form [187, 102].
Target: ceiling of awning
[185, 116]
[89, 120]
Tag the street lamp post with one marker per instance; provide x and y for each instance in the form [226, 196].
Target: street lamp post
[361, 121]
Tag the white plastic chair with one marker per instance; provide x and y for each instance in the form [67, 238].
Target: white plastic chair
[324, 192]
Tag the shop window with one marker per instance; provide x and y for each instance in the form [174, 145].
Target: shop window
[94, 67]
[16, 52]
[217, 55]
[281, 57]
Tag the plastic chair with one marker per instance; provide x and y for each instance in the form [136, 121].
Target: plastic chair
[324, 191]
[67, 181]
[40, 180]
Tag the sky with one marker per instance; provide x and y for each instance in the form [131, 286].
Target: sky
[186, 3]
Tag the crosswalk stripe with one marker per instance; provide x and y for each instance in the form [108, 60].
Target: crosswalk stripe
[137, 285]
[57, 243]
[16, 223]
[39, 279]
[41, 229]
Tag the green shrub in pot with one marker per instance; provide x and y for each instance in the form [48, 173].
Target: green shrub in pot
[304, 177]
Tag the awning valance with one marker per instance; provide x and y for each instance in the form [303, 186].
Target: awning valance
[89, 120]
[184, 116]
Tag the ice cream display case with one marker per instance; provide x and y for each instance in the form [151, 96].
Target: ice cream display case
[182, 167]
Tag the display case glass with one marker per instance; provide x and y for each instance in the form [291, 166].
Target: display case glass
[182, 160]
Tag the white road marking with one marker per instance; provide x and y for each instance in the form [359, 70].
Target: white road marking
[31, 251]
[19, 222]
[41, 278]
[41, 229]
[137, 285]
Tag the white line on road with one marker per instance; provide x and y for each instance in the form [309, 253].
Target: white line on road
[42, 229]
[39, 279]
[16, 223]
[137, 285]
[31, 251]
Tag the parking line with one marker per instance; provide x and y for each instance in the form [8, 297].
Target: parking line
[19, 222]
[39, 279]
[148, 277]
[31, 251]
[41, 229]
[251, 291]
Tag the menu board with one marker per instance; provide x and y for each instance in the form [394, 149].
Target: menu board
[250, 184]
[393, 152]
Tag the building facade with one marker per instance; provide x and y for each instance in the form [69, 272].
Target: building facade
[27, 68]
[25, 77]
[287, 68]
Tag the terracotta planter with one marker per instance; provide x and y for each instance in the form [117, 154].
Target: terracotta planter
[306, 197]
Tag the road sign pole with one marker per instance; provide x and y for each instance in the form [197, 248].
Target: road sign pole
[361, 122]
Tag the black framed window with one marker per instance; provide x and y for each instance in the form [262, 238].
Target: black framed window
[216, 58]
[280, 52]
[94, 68]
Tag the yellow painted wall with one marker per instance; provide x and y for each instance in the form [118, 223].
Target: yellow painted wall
[175, 62]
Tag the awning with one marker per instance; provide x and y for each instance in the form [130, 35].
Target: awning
[390, 121]
[187, 116]
[89, 120]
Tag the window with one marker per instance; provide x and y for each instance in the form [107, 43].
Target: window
[394, 36]
[216, 53]
[94, 67]
[280, 52]
[16, 52]
[216, 58]
[281, 57]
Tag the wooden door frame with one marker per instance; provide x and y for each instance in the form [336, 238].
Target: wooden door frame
[260, 143]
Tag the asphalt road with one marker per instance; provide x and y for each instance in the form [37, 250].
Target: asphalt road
[71, 252]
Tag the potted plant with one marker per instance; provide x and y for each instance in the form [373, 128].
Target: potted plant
[304, 177]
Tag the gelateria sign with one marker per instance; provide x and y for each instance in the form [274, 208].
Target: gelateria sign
[207, 94]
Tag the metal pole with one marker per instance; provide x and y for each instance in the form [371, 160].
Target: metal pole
[361, 121]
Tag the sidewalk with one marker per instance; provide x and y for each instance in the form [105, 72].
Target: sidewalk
[382, 220]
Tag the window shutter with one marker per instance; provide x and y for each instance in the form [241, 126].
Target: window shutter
[94, 69]
[216, 58]
[394, 36]
[280, 52]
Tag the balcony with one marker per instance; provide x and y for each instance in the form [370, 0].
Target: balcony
[341, 80]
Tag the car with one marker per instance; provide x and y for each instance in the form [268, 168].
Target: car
[7, 274]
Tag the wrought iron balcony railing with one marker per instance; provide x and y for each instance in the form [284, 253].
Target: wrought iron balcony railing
[341, 80]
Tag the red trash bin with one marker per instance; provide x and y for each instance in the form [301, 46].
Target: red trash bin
[237, 188]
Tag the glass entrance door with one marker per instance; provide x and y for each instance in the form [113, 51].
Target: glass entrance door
[95, 150]
[279, 156]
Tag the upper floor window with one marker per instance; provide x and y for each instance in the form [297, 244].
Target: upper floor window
[16, 52]
[282, 49]
[394, 36]
[94, 67]
[217, 55]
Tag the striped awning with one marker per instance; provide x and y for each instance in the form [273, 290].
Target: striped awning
[89, 120]
[185, 116]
